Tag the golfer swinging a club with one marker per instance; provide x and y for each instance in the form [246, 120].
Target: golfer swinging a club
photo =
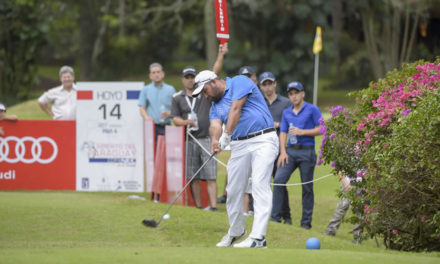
[238, 103]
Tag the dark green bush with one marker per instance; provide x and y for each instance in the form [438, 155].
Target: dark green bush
[391, 139]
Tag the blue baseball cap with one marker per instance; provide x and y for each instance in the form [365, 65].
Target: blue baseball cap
[295, 85]
[266, 76]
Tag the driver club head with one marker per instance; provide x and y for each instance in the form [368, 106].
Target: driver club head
[149, 222]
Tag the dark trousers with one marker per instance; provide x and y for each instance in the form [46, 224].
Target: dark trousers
[158, 130]
[285, 212]
[305, 160]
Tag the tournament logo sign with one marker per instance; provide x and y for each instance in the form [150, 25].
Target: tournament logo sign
[109, 137]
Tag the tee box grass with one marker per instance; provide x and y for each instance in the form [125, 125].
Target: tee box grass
[102, 227]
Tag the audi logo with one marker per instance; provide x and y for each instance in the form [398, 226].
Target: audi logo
[36, 150]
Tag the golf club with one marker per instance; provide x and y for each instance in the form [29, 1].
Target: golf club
[151, 222]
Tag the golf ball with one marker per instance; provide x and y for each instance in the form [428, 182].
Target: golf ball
[166, 217]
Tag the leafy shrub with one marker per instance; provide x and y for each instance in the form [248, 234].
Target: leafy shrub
[391, 139]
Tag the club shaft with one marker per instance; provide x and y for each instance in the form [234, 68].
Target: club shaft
[186, 185]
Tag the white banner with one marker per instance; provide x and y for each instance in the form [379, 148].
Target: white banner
[149, 154]
[109, 137]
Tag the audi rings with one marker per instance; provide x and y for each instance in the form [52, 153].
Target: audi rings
[20, 150]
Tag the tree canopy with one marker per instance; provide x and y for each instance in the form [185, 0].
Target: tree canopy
[114, 39]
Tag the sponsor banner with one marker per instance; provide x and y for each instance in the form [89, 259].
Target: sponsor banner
[37, 155]
[175, 152]
[109, 137]
[149, 154]
[221, 20]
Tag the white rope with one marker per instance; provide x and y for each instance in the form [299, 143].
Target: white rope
[302, 183]
[274, 184]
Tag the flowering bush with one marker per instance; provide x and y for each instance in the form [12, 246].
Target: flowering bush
[391, 139]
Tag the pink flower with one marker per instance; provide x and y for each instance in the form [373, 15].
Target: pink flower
[424, 218]
[395, 231]
[367, 140]
[361, 127]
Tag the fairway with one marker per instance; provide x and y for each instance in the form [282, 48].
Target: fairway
[80, 227]
[86, 227]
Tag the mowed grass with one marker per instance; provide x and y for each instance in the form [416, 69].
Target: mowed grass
[84, 227]
[79, 227]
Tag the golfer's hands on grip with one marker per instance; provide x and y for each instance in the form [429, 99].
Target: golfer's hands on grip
[224, 140]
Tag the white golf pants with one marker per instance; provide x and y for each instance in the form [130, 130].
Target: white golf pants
[255, 157]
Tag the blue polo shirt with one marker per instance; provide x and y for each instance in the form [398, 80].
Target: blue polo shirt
[157, 99]
[307, 118]
[255, 114]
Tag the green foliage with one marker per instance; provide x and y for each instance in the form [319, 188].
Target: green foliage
[279, 38]
[21, 38]
[391, 139]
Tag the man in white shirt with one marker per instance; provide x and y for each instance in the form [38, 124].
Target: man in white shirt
[62, 98]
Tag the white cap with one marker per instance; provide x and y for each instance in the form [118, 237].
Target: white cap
[201, 79]
[2, 107]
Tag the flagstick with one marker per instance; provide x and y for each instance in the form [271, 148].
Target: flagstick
[315, 81]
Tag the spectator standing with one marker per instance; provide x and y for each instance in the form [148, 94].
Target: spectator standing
[4, 116]
[300, 121]
[155, 100]
[276, 103]
[249, 72]
[239, 104]
[341, 211]
[193, 113]
[62, 98]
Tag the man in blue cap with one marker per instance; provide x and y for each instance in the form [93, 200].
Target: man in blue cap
[276, 103]
[301, 123]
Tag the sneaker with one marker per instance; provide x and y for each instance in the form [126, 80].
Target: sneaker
[329, 233]
[288, 221]
[252, 243]
[274, 220]
[306, 226]
[213, 209]
[228, 240]
[221, 199]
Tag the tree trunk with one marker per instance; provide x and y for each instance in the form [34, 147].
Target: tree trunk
[99, 41]
[210, 33]
[121, 13]
[370, 41]
[87, 22]
[337, 28]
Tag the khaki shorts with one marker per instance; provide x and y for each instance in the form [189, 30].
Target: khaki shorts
[196, 156]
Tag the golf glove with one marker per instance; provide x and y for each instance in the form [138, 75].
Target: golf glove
[224, 140]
